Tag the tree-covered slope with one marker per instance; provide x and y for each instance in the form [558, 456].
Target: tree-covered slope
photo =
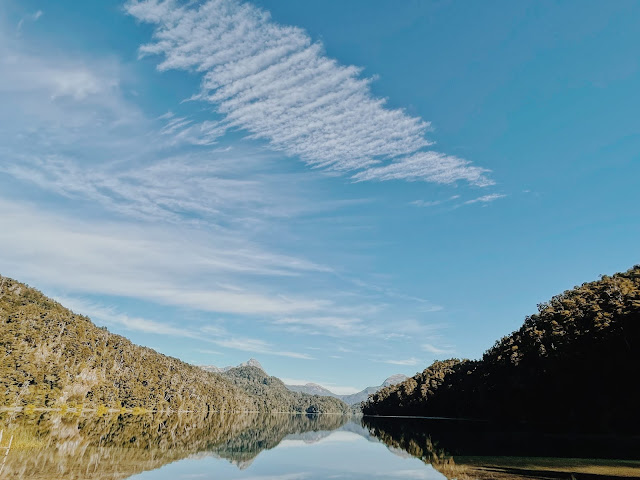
[575, 363]
[53, 357]
[271, 391]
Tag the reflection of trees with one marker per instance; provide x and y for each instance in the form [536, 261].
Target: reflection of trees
[52, 446]
[482, 450]
[418, 442]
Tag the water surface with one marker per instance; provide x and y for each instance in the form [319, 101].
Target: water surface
[50, 446]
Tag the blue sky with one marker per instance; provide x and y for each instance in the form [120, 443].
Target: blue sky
[343, 191]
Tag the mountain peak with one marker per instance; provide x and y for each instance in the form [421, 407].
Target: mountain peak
[252, 362]
[394, 379]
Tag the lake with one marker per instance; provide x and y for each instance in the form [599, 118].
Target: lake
[48, 445]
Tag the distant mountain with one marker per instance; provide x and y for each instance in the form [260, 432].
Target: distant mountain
[273, 392]
[252, 362]
[353, 399]
[312, 389]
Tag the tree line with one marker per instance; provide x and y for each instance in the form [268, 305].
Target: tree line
[574, 364]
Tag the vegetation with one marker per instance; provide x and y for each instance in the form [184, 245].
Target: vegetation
[54, 358]
[574, 364]
[272, 393]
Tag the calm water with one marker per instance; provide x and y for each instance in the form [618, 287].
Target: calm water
[284, 447]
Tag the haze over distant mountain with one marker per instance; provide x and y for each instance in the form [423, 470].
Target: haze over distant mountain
[355, 398]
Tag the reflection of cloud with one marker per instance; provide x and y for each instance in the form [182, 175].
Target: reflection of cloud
[286, 476]
[334, 437]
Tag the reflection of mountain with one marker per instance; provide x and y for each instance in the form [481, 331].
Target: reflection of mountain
[267, 431]
[50, 446]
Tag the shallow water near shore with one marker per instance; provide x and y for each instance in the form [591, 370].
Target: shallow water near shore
[50, 445]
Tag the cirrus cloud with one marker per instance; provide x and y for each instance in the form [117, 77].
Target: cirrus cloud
[273, 81]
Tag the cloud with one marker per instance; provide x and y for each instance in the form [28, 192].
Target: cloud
[407, 362]
[216, 187]
[432, 203]
[274, 82]
[245, 344]
[145, 262]
[29, 18]
[208, 352]
[428, 347]
[428, 166]
[485, 199]
[332, 326]
[210, 334]
[108, 315]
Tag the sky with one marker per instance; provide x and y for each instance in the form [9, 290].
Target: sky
[344, 191]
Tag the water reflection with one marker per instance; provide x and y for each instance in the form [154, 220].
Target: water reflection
[54, 446]
[466, 449]
[50, 446]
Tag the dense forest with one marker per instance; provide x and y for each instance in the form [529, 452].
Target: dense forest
[574, 364]
[54, 358]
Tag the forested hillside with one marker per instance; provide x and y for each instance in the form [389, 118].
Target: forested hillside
[272, 391]
[52, 357]
[575, 363]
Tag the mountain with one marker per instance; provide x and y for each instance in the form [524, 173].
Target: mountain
[272, 391]
[54, 358]
[252, 362]
[252, 378]
[353, 399]
[312, 389]
[573, 365]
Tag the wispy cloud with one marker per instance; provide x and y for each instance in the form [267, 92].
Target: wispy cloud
[406, 362]
[110, 316]
[432, 203]
[438, 350]
[428, 166]
[485, 199]
[145, 262]
[216, 335]
[324, 325]
[221, 337]
[29, 18]
[276, 83]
